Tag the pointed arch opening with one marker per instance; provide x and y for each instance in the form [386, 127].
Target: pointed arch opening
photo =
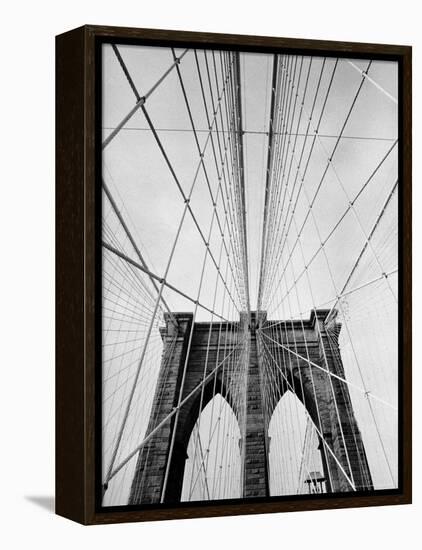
[295, 460]
[213, 467]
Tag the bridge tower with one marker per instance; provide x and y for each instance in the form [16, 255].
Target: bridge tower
[309, 368]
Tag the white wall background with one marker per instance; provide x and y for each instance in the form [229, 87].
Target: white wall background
[27, 274]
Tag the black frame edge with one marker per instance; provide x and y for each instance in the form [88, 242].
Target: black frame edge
[406, 250]
[70, 236]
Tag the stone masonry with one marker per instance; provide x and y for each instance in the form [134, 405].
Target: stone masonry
[315, 340]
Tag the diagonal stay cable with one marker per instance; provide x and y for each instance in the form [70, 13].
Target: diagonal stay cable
[135, 246]
[159, 279]
[333, 151]
[186, 199]
[168, 417]
[214, 199]
[127, 74]
[281, 165]
[373, 82]
[303, 149]
[291, 206]
[140, 101]
[334, 298]
[176, 179]
[365, 245]
[346, 194]
[309, 416]
[186, 208]
[336, 225]
[310, 362]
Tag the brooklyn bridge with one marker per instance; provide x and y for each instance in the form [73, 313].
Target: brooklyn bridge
[250, 265]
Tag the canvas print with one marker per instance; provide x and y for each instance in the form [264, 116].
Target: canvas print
[249, 275]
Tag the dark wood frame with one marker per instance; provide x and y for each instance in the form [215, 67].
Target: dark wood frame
[77, 270]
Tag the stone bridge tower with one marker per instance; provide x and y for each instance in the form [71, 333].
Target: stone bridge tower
[315, 340]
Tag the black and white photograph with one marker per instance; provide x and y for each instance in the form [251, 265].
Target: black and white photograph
[210, 275]
[250, 275]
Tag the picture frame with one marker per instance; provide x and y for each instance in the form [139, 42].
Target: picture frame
[79, 481]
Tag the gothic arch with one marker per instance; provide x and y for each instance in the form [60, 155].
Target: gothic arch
[327, 401]
[287, 429]
[217, 421]
[194, 408]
